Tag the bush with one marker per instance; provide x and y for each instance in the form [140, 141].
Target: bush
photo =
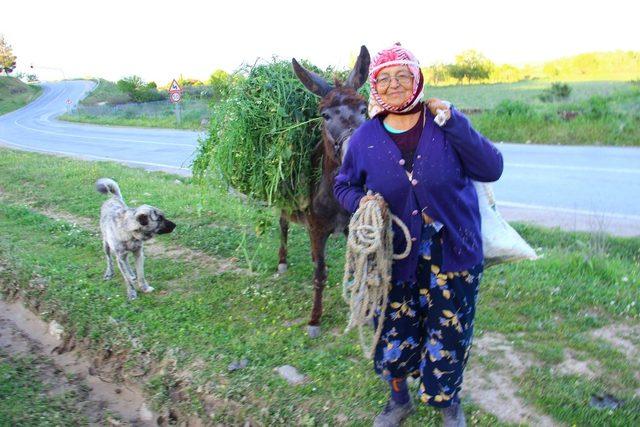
[138, 90]
[597, 108]
[557, 91]
[261, 136]
[514, 108]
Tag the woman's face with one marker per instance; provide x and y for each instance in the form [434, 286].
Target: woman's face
[395, 84]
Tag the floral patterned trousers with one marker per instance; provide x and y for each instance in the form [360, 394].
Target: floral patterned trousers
[428, 325]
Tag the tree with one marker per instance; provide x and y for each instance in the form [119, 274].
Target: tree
[138, 90]
[437, 73]
[471, 65]
[7, 58]
[221, 82]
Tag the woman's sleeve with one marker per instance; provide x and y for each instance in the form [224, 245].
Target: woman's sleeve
[349, 183]
[480, 158]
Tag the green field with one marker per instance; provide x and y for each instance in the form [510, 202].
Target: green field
[209, 310]
[488, 96]
[15, 94]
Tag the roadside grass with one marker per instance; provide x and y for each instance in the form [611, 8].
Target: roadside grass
[205, 321]
[26, 400]
[159, 114]
[598, 120]
[488, 96]
[15, 94]
[106, 92]
[108, 105]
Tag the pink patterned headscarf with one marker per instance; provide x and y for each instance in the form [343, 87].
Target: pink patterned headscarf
[395, 55]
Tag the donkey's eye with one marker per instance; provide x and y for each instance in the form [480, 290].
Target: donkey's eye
[363, 110]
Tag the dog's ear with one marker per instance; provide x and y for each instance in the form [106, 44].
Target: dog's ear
[143, 219]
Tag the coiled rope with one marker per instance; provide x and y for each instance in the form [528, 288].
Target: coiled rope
[367, 271]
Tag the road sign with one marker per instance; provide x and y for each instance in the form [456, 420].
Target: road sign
[175, 96]
[175, 92]
[69, 102]
[175, 87]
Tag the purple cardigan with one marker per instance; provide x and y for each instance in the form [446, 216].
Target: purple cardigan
[445, 162]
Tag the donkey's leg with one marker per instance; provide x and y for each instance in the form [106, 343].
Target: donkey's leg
[284, 236]
[318, 244]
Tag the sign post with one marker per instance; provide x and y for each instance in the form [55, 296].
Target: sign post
[175, 96]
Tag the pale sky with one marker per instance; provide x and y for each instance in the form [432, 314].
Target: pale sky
[159, 40]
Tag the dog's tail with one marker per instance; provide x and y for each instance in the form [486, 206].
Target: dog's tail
[108, 186]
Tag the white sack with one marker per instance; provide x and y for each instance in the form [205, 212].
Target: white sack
[501, 243]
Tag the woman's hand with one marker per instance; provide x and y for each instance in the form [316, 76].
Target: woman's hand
[440, 109]
[381, 202]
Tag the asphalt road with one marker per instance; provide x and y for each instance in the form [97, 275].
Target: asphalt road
[575, 188]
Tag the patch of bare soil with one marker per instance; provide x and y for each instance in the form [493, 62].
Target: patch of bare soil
[85, 223]
[495, 390]
[624, 338]
[621, 337]
[572, 365]
[23, 334]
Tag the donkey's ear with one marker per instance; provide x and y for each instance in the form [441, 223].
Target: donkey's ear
[315, 83]
[358, 75]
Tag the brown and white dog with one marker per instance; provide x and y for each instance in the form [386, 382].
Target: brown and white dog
[124, 230]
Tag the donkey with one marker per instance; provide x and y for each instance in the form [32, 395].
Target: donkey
[342, 110]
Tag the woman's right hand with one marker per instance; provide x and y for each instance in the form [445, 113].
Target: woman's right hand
[381, 202]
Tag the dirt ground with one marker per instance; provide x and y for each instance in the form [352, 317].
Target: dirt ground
[103, 403]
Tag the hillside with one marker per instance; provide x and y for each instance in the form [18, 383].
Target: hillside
[15, 94]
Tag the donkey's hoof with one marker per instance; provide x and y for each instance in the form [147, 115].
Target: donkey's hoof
[108, 275]
[313, 331]
[282, 268]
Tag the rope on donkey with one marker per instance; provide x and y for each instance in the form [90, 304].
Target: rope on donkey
[367, 271]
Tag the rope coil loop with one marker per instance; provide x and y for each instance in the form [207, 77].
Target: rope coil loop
[367, 271]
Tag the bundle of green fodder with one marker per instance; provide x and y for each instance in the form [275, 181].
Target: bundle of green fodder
[261, 136]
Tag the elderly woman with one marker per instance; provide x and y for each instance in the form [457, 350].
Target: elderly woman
[423, 171]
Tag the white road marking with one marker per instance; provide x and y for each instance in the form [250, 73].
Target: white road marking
[104, 138]
[91, 156]
[567, 210]
[573, 168]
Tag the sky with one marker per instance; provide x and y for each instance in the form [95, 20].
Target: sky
[161, 40]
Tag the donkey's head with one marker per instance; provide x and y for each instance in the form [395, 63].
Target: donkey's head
[342, 107]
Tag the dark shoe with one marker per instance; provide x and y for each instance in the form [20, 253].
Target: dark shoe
[393, 414]
[453, 416]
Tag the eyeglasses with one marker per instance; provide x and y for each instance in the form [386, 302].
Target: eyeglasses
[403, 79]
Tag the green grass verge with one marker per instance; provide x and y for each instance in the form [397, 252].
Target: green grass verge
[15, 94]
[581, 284]
[108, 105]
[190, 119]
[488, 96]
[599, 120]
[106, 91]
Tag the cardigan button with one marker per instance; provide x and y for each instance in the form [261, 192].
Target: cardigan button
[401, 162]
[419, 156]
[414, 182]
[413, 239]
[414, 213]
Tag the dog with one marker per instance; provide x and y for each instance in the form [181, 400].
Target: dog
[124, 230]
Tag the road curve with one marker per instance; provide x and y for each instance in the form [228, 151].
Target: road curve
[574, 188]
[35, 128]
